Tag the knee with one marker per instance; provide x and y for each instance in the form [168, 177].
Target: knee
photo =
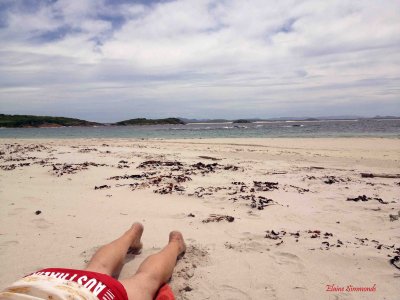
[150, 277]
[142, 285]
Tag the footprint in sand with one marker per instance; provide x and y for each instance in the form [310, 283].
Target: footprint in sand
[228, 292]
[247, 246]
[42, 223]
[239, 235]
[285, 258]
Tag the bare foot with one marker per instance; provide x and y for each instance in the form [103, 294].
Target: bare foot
[176, 237]
[137, 231]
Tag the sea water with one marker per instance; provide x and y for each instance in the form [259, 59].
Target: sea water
[327, 128]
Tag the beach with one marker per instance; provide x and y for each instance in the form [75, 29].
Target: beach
[271, 218]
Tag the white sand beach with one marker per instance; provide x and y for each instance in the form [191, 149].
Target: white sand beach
[294, 232]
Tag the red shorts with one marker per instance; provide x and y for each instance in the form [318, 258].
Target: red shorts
[102, 286]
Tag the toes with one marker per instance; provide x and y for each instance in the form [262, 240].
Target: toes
[176, 236]
[137, 226]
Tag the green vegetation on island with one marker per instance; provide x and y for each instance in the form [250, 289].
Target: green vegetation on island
[144, 121]
[26, 121]
[241, 121]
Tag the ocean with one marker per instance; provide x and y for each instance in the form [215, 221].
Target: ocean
[289, 129]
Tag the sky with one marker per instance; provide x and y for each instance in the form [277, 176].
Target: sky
[110, 60]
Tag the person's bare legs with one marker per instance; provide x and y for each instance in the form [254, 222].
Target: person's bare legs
[109, 258]
[155, 270]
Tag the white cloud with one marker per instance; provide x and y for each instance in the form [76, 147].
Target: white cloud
[231, 57]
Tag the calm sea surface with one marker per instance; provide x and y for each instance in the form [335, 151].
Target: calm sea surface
[352, 128]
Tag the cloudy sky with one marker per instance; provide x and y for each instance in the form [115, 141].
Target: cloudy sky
[107, 60]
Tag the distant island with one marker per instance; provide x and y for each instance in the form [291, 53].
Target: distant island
[144, 121]
[27, 121]
[30, 121]
[242, 121]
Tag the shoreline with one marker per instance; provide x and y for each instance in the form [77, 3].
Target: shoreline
[389, 137]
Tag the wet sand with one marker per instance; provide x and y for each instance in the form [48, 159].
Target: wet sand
[262, 218]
